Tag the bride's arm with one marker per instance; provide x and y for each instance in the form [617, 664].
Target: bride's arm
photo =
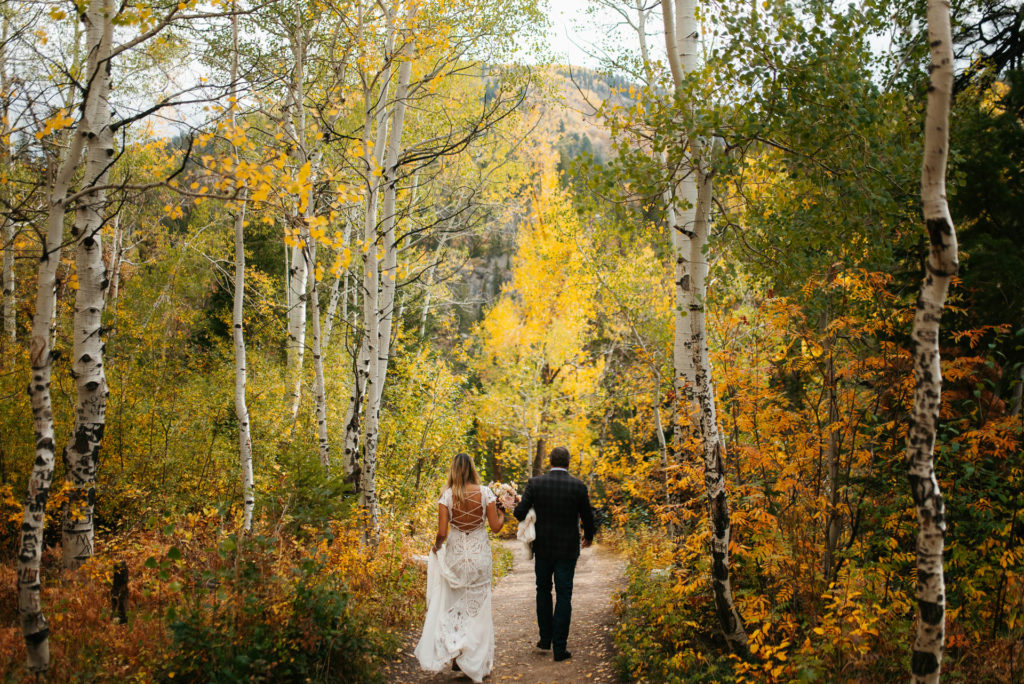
[442, 526]
[495, 517]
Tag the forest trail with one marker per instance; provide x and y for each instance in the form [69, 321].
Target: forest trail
[516, 658]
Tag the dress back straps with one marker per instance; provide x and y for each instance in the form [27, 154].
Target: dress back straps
[468, 514]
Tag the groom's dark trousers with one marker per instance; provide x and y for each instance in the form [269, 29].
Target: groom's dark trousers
[562, 503]
[554, 623]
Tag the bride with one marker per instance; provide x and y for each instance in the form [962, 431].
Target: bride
[458, 625]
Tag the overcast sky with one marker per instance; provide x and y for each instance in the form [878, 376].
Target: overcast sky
[569, 25]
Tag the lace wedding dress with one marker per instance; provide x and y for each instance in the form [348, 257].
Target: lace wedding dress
[458, 624]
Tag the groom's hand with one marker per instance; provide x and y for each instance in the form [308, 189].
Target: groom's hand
[587, 543]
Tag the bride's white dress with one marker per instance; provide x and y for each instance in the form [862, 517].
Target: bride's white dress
[459, 625]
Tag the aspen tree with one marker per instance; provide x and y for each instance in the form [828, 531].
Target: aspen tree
[297, 271]
[389, 273]
[9, 228]
[82, 452]
[9, 294]
[337, 292]
[34, 625]
[376, 120]
[319, 386]
[941, 266]
[682, 44]
[237, 310]
[682, 37]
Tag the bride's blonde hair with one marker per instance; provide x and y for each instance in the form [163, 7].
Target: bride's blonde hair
[462, 473]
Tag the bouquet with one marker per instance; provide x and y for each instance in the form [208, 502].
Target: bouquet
[506, 493]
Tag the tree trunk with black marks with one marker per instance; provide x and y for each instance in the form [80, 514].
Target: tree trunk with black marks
[10, 301]
[238, 321]
[367, 368]
[682, 45]
[34, 625]
[298, 271]
[711, 439]
[9, 229]
[337, 294]
[389, 275]
[319, 384]
[241, 406]
[116, 256]
[81, 456]
[690, 237]
[941, 266]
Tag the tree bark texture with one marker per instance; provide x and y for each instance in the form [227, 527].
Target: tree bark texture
[336, 294]
[10, 302]
[238, 325]
[389, 273]
[713, 446]
[81, 456]
[385, 306]
[241, 406]
[366, 381]
[30, 549]
[941, 266]
[9, 229]
[298, 270]
[683, 43]
[319, 386]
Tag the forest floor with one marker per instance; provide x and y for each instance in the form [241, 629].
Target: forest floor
[516, 658]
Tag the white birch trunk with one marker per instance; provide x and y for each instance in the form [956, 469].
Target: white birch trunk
[683, 43]
[9, 229]
[713, 446]
[366, 366]
[241, 407]
[371, 336]
[33, 623]
[385, 304]
[82, 452]
[926, 663]
[116, 255]
[319, 386]
[238, 321]
[332, 309]
[298, 272]
[390, 271]
[336, 293]
[10, 301]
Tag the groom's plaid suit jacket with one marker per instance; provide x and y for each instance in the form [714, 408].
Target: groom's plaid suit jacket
[562, 503]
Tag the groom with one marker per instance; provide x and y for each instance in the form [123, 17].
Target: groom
[561, 503]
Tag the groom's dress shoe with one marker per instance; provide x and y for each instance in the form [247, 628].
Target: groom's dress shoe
[544, 645]
[564, 655]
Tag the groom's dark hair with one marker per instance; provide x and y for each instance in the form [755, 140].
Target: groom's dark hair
[559, 457]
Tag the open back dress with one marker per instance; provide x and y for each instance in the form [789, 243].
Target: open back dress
[459, 625]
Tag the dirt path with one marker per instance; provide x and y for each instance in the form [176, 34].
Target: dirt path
[516, 659]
